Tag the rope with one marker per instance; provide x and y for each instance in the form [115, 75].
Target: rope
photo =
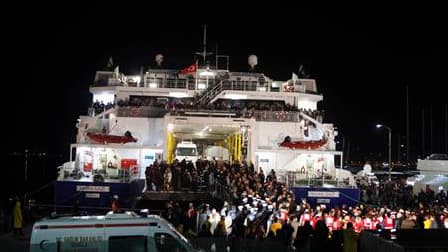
[40, 188]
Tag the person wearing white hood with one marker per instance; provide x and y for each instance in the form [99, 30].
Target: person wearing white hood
[214, 219]
[228, 222]
[270, 219]
[253, 212]
[224, 209]
[233, 212]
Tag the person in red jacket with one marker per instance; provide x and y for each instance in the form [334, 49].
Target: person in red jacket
[388, 222]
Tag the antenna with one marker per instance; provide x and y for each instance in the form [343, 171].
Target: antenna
[216, 56]
[204, 52]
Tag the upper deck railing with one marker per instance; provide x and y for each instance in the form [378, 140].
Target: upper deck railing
[239, 81]
[258, 115]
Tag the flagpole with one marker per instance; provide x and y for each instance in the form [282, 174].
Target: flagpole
[196, 77]
[431, 125]
[142, 77]
[204, 55]
[408, 143]
[423, 133]
[446, 128]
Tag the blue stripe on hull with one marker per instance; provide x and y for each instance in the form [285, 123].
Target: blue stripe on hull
[91, 195]
[331, 197]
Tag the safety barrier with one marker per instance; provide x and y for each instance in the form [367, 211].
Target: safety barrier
[370, 242]
[222, 244]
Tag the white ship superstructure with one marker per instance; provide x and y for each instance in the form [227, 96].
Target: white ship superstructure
[433, 173]
[273, 124]
[435, 164]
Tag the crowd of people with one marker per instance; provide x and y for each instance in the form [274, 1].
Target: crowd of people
[244, 107]
[261, 208]
[398, 194]
[258, 207]
[99, 107]
[178, 176]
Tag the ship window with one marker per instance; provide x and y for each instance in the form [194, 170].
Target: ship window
[137, 243]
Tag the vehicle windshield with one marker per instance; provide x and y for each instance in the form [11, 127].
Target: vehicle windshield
[186, 151]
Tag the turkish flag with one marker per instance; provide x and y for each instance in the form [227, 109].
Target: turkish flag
[190, 69]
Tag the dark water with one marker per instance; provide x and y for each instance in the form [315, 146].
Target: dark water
[33, 177]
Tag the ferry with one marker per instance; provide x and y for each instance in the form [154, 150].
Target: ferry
[433, 173]
[136, 120]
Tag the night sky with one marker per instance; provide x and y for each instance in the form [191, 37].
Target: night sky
[362, 60]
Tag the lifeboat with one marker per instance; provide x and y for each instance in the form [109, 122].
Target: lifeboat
[308, 145]
[106, 138]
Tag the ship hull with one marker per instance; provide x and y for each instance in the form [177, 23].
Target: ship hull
[95, 196]
[331, 197]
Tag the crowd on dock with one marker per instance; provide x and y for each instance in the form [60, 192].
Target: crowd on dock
[259, 207]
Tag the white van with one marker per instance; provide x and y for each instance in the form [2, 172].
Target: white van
[186, 150]
[217, 152]
[121, 232]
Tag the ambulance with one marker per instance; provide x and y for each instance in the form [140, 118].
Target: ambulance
[121, 232]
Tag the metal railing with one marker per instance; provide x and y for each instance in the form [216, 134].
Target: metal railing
[143, 111]
[371, 243]
[210, 93]
[166, 83]
[297, 179]
[276, 116]
[259, 115]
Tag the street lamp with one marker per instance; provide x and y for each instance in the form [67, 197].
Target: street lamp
[390, 147]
